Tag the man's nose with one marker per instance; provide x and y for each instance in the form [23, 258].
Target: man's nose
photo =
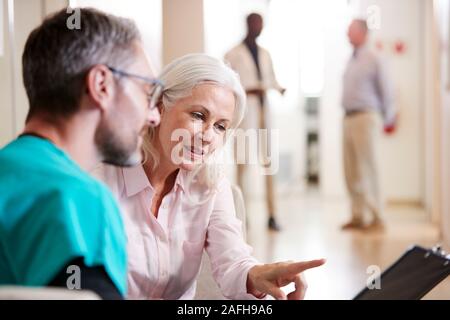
[154, 117]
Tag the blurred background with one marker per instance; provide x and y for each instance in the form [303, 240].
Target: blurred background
[308, 43]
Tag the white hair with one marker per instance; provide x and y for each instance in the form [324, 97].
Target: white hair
[180, 77]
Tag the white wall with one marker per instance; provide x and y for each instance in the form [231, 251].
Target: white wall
[445, 223]
[403, 154]
[13, 101]
[148, 17]
[402, 160]
[6, 111]
[183, 26]
[29, 14]
[433, 152]
[337, 52]
[443, 15]
[281, 37]
[225, 23]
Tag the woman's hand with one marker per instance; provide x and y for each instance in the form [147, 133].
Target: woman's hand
[269, 278]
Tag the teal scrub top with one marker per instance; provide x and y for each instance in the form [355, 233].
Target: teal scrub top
[52, 212]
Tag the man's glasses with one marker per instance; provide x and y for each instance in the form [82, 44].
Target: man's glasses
[157, 85]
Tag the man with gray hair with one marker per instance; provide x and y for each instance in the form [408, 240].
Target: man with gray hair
[92, 96]
[367, 94]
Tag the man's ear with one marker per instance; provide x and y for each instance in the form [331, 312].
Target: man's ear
[100, 86]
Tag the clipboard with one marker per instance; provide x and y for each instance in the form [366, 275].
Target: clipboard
[411, 277]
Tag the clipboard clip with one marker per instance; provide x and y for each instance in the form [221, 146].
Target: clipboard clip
[437, 249]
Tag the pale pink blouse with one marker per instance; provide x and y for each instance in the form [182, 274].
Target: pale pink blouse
[165, 253]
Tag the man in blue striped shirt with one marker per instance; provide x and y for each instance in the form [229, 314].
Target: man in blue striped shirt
[367, 94]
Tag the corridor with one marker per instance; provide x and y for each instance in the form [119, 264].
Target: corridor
[311, 229]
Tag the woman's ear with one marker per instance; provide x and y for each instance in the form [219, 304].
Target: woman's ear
[160, 107]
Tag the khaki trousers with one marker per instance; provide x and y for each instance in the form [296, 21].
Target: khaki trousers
[361, 165]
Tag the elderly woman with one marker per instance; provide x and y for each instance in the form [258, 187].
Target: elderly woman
[178, 204]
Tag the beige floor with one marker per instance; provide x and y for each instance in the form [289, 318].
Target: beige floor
[311, 230]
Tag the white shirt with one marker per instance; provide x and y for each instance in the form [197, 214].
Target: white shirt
[241, 61]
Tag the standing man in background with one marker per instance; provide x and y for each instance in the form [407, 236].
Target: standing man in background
[367, 94]
[254, 66]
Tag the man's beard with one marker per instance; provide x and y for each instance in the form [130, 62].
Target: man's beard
[114, 151]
